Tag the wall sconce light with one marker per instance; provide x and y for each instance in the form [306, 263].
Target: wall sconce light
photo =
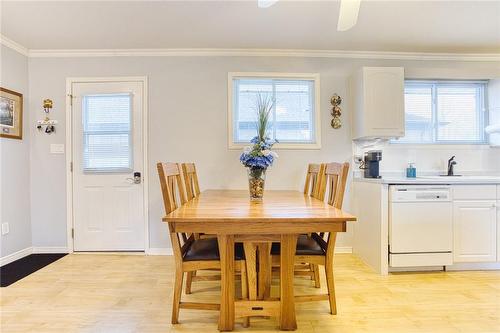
[47, 105]
[47, 125]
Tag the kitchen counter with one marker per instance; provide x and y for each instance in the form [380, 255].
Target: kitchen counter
[393, 180]
[470, 203]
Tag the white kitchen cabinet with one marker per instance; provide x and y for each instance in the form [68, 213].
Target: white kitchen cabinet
[498, 223]
[498, 227]
[377, 95]
[474, 231]
[474, 192]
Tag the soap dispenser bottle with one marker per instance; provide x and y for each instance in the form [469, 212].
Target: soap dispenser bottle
[411, 171]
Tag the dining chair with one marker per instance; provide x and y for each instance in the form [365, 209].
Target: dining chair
[192, 254]
[334, 178]
[312, 184]
[312, 188]
[318, 249]
[192, 191]
[191, 180]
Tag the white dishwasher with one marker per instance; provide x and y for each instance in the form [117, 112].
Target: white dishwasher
[420, 225]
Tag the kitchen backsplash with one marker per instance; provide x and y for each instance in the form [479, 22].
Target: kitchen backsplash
[431, 159]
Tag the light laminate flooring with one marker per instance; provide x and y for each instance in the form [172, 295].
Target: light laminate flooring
[132, 293]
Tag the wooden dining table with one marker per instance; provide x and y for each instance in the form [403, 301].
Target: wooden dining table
[280, 217]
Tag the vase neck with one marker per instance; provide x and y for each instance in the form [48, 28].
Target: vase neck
[256, 173]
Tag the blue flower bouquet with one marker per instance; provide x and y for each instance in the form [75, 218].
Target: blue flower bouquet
[258, 157]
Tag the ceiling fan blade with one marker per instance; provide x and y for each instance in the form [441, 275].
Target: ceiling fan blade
[348, 15]
[266, 3]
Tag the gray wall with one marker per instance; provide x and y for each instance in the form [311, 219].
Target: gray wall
[187, 122]
[15, 160]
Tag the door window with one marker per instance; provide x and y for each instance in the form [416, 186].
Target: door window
[107, 130]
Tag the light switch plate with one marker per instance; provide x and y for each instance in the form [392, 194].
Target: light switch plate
[57, 148]
[5, 228]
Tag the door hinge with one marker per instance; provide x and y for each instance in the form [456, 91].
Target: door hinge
[71, 166]
[72, 233]
[70, 99]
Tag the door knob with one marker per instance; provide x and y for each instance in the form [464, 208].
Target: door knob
[137, 177]
[136, 180]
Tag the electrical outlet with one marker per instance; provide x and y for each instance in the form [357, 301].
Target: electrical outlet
[5, 228]
[358, 159]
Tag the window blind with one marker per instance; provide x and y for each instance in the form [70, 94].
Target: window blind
[107, 133]
[460, 113]
[418, 113]
[292, 118]
[445, 112]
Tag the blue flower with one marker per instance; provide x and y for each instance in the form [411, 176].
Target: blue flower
[258, 156]
[258, 162]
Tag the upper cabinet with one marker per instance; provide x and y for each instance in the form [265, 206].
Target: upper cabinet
[377, 97]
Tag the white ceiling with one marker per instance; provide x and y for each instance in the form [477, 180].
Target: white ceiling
[400, 26]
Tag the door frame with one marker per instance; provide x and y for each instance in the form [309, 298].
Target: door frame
[69, 150]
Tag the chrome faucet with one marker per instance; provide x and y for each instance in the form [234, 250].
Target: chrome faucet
[451, 163]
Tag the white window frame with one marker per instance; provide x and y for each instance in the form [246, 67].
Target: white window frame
[445, 143]
[316, 144]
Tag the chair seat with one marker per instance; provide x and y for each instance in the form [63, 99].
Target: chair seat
[305, 246]
[208, 249]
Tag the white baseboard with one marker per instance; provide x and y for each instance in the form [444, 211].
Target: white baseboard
[29, 250]
[15, 256]
[160, 251]
[343, 249]
[416, 269]
[50, 249]
[474, 266]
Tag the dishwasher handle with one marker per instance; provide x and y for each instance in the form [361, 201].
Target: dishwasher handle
[432, 196]
[422, 194]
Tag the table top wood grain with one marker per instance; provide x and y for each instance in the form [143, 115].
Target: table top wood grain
[235, 205]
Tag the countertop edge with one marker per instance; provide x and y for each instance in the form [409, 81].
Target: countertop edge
[427, 181]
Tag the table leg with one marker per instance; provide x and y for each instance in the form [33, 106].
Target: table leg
[226, 250]
[251, 259]
[265, 270]
[288, 321]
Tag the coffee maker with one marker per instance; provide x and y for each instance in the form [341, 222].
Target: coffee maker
[371, 163]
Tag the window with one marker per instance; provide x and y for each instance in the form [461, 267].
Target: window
[107, 133]
[448, 112]
[294, 120]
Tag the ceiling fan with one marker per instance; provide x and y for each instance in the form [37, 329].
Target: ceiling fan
[348, 15]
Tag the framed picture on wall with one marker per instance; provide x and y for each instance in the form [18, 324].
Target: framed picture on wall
[11, 114]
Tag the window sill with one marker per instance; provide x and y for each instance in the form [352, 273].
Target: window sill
[280, 146]
[439, 145]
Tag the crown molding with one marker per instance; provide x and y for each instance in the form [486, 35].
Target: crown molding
[206, 52]
[13, 45]
[220, 52]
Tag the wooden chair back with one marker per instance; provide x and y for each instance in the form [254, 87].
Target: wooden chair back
[335, 179]
[313, 180]
[190, 180]
[171, 185]
[172, 190]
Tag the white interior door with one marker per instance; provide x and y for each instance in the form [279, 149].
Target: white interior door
[108, 202]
